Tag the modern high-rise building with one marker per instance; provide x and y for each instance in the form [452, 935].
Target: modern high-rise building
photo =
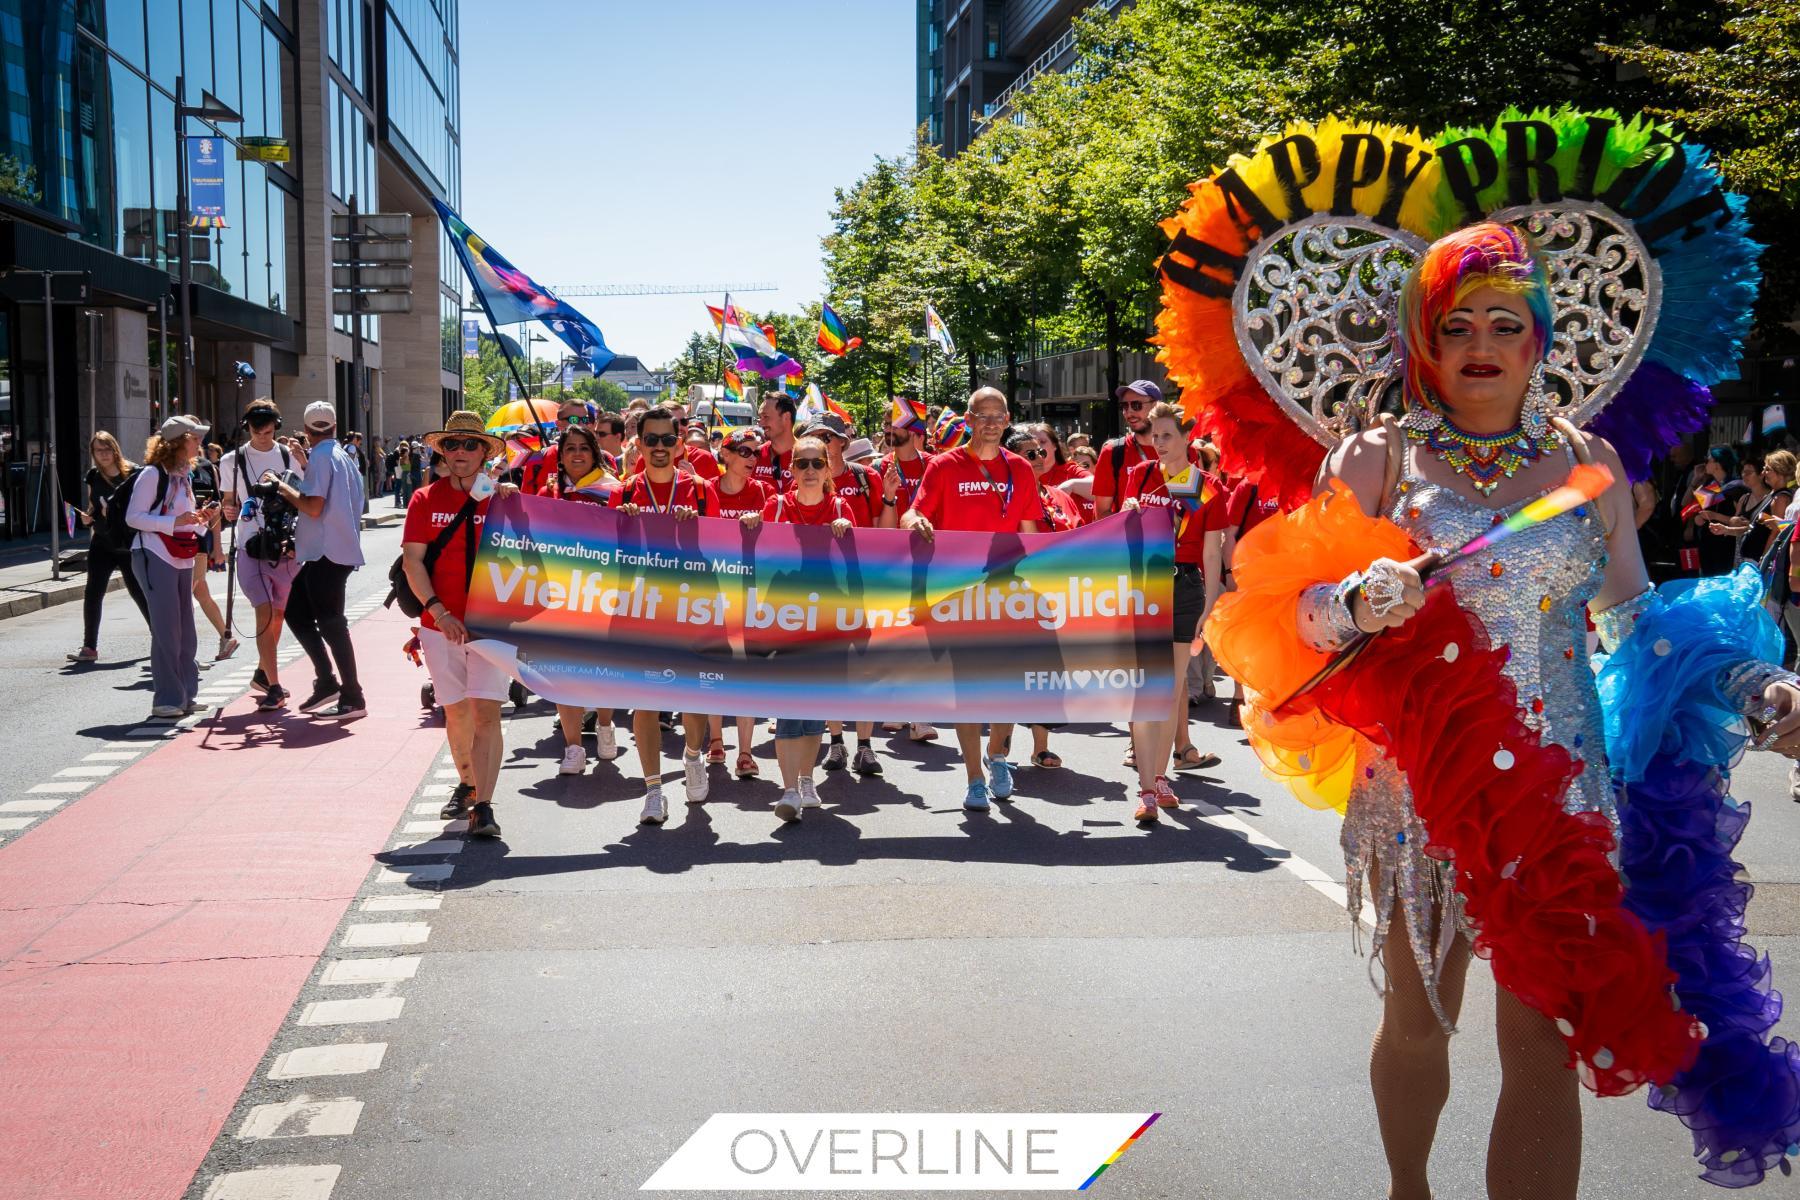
[365, 94]
[975, 55]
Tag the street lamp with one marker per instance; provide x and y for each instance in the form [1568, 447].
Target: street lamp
[214, 111]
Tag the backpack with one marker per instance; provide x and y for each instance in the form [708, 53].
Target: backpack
[1775, 564]
[118, 532]
[400, 590]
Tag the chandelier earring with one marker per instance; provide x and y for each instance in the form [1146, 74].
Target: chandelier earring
[1534, 416]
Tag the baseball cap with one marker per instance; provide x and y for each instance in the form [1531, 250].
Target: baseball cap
[320, 414]
[179, 426]
[830, 423]
[1142, 387]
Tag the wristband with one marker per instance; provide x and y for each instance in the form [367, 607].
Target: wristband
[888, 500]
[431, 601]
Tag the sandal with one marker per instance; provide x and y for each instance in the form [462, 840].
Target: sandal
[746, 766]
[1192, 758]
[1047, 759]
[715, 752]
[1131, 757]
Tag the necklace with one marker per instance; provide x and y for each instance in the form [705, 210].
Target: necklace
[1482, 459]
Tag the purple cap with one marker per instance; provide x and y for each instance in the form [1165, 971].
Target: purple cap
[1142, 387]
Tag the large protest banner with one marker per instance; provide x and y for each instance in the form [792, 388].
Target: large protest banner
[587, 606]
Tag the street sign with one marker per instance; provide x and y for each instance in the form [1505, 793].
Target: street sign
[345, 251]
[368, 278]
[263, 149]
[376, 226]
[371, 303]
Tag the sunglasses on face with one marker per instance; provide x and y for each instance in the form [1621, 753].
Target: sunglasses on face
[451, 445]
[577, 419]
[899, 435]
[1031, 452]
[1133, 405]
[741, 451]
[660, 439]
[809, 464]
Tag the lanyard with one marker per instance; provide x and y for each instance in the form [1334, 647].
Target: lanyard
[1006, 495]
[650, 490]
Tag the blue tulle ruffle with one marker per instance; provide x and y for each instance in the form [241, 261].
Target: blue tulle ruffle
[1672, 737]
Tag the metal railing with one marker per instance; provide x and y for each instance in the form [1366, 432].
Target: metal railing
[1042, 63]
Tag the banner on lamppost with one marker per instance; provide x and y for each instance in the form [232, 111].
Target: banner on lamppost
[206, 183]
[471, 338]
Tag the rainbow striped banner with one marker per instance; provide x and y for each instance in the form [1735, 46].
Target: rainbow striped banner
[587, 606]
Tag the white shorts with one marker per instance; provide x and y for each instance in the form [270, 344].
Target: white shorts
[458, 673]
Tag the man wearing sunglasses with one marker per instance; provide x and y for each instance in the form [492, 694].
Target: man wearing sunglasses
[1121, 454]
[659, 488]
[979, 488]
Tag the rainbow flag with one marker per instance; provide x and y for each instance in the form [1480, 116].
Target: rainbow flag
[70, 517]
[734, 386]
[937, 331]
[906, 413]
[754, 348]
[792, 385]
[950, 431]
[833, 336]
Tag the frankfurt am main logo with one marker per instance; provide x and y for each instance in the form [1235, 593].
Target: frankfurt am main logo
[900, 1152]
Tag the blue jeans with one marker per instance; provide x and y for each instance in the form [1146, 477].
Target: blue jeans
[793, 727]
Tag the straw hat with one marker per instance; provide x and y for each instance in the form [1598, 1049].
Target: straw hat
[465, 423]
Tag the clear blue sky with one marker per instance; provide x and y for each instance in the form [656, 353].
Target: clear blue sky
[675, 141]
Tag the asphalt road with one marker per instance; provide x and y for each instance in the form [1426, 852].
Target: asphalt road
[578, 997]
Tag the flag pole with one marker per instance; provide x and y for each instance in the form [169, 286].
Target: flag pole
[724, 315]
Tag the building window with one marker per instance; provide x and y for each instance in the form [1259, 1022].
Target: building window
[993, 38]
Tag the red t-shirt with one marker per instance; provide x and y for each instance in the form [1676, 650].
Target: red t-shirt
[962, 492]
[604, 492]
[860, 488]
[774, 469]
[684, 491]
[1247, 509]
[911, 471]
[1109, 484]
[732, 506]
[1060, 474]
[1060, 510]
[538, 470]
[431, 510]
[787, 509]
[1145, 483]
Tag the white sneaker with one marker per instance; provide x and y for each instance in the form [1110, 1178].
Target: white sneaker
[921, 732]
[574, 761]
[606, 743]
[227, 646]
[693, 775]
[656, 809]
[788, 807]
[809, 794]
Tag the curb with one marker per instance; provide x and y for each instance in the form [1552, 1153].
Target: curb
[31, 597]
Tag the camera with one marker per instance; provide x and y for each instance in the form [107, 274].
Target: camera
[275, 540]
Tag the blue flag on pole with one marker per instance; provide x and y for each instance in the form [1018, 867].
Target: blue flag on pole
[511, 296]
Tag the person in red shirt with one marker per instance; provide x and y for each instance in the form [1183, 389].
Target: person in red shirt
[540, 468]
[873, 504]
[582, 477]
[1060, 510]
[809, 502]
[1199, 567]
[1123, 453]
[979, 488]
[1060, 470]
[776, 416]
[905, 461]
[659, 488]
[732, 495]
[469, 687]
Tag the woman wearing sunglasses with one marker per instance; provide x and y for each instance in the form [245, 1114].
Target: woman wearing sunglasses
[581, 477]
[735, 494]
[809, 501]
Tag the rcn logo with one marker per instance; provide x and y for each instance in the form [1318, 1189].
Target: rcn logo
[1115, 680]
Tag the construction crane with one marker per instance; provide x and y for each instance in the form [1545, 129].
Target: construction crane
[661, 289]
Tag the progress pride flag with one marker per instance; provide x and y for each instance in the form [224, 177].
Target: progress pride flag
[587, 606]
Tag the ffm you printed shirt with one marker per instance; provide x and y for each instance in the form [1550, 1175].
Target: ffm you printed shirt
[962, 493]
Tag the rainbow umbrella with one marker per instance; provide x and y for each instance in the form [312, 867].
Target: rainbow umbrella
[522, 414]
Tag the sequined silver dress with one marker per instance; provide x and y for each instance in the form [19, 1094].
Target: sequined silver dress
[1531, 594]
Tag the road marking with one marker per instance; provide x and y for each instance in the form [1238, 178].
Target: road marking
[12, 823]
[436, 789]
[371, 970]
[275, 1183]
[1314, 878]
[70, 785]
[434, 846]
[97, 771]
[415, 873]
[428, 809]
[438, 826]
[400, 903]
[29, 806]
[302, 1117]
[449, 776]
[386, 933]
[115, 755]
[366, 1010]
[134, 747]
[354, 1058]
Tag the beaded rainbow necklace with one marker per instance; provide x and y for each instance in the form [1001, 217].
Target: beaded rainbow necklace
[1484, 460]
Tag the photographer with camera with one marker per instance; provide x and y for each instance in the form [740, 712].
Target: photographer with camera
[328, 545]
[266, 564]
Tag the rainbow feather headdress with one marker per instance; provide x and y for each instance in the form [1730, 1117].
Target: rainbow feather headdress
[1280, 281]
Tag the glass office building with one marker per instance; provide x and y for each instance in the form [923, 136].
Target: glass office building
[365, 92]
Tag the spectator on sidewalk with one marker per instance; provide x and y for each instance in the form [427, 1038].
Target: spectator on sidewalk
[104, 478]
[265, 559]
[328, 545]
[443, 526]
[169, 523]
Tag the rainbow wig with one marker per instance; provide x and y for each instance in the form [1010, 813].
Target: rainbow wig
[1486, 254]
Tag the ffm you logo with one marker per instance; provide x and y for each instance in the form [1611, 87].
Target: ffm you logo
[900, 1152]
